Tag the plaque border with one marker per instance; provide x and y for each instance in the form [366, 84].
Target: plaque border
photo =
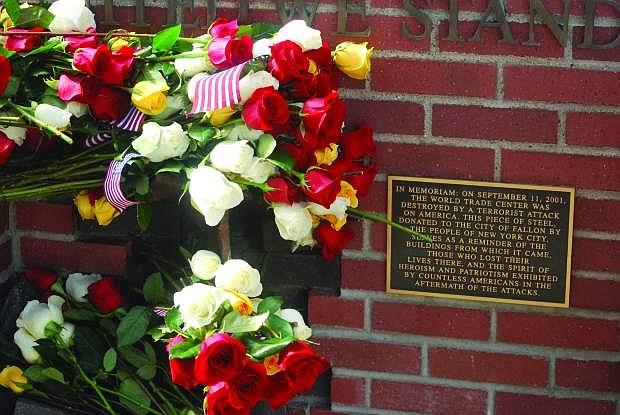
[569, 251]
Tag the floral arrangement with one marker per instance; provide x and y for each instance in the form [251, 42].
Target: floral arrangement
[241, 109]
[228, 349]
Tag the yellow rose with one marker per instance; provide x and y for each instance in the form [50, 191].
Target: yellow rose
[82, 203]
[348, 191]
[327, 155]
[239, 302]
[105, 212]
[149, 97]
[11, 376]
[353, 59]
[219, 117]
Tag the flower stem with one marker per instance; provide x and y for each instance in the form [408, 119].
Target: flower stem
[54, 131]
[91, 383]
[131, 400]
[380, 218]
[178, 56]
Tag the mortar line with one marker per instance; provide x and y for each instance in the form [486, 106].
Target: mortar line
[561, 127]
[424, 360]
[490, 401]
[500, 81]
[552, 363]
[497, 164]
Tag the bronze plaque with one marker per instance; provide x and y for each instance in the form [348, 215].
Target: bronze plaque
[497, 242]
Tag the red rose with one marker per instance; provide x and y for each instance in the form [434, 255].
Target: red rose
[302, 366]
[105, 295]
[41, 279]
[182, 370]
[220, 359]
[319, 85]
[358, 165]
[23, 42]
[109, 67]
[5, 73]
[288, 62]
[107, 103]
[250, 386]
[6, 148]
[228, 51]
[223, 27]
[304, 156]
[321, 187]
[283, 191]
[74, 88]
[362, 178]
[79, 42]
[217, 402]
[280, 391]
[359, 144]
[332, 242]
[322, 57]
[323, 118]
[266, 110]
[37, 141]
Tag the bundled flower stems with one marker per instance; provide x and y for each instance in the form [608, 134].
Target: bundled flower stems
[255, 108]
[85, 347]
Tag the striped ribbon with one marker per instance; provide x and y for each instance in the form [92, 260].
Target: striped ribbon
[93, 140]
[112, 184]
[217, 91]
[132, 121]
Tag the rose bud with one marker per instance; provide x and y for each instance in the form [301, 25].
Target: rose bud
[107, 103]
[353, 59]
[53, 116]
[288, 62]
[74, 88]
[228, 51]
[182, 370]
[150, 97]
[323, 118]
[299, 32]
[266, 110]
[5, 73]
[6, 148]
[332, 242]
[279, 391]
[109, 67]
[302, 366]
[217, 402]
[283, 191]
[105, 295]
[222, 27]
[294, 223]
[41, 279]
[250, 386]
[322, 187]
[78, 42]
[23, 42]
[221, 358]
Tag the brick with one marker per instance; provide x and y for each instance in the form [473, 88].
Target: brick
[600, 36]
[378, 237]
[419, 398]
[435, 161]
[593, 129]
[387, 116]
[490, 43]
[46, 217]
[434, 78]
[488, 367]
[348, 391]
[319, 411]
[558, 331]
[4, 217]
[434, 5]
[539, 83]
[588, 375]
[509, 124]
[5, 255]
[363, 275]
[335, 311]
[428, 320]
[364, 355]
[577, 7]
[376, 199]
[586, 172]
[75, 256]
[595, 294]
[518, 404]
[596, 255]
[358, 234]
[597, 215]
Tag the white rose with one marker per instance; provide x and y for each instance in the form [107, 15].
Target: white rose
[212, 194]
[262, 47]
[259, 171]
[189, 67]
[26, 344]
[298, 31]
[294, 222]
[77, 285]
[255, 80]
[54, 116]
[243, 132]
[67, 332]
[197, 304]
[205, 263]
[191, 86]
[175, 103]
[232, 156]
[159, 143]
[17, 134]
[300, 330]
[71, 15]
[338, 208]
[77, 109]
[36, 316]
[238, 275]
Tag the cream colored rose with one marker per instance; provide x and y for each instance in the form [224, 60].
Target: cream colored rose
[204, 264]
[294, 222]
[259, 171]
[37, 315]
[53, 116]
[197, 304]
[298, 31]
[232, 156]
[238, 275]
[77, 285]
[77, 109]
[70, 16]
[27, 344]
[300, 330]
[255, 80]
[159, 143]
[213, 194]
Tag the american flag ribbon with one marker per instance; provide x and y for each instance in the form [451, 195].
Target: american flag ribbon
[217, 91]
[132, 121]
[93, 140]
[112, 184]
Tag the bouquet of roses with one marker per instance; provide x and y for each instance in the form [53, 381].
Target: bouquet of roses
[241, 348]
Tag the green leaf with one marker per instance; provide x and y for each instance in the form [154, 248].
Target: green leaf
[165, 40]
[173, 166]
[34, 374]
[270, 304]
[185, 350]
[262, 349]
[201, 133]
[150, 353]
[53, 374]
[13, 10]
[154, 290]
[157, 333]
[109, 360]
[266, 145]
[133, 326]
[282, 327]
[235, 322]
[34, 16]
[186, 253]
[55, 42]
[130, 388]
[81, 314]
[89, 348]
[147, 372]
[283, 160]
[173, 320]
[141, 184]
[134, 356]
[144, 215]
